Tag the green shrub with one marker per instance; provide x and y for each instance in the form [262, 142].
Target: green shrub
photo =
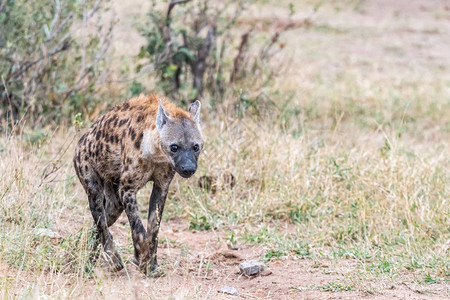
[52, 56]
[197, 48]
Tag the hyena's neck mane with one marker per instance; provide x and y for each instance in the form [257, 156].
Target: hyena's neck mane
[148, 105]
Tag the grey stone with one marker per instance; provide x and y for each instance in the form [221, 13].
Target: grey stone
[45, 232]
[250, 268]
[229, 290]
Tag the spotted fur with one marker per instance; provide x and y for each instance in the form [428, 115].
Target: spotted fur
[124, 149]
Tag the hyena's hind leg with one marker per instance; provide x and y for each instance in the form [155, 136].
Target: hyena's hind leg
[113, 205]
[94, 189]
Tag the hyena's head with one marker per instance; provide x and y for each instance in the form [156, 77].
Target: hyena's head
[181, 138]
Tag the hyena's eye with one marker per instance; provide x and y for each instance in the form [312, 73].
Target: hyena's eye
[174, 148]
[196, 147]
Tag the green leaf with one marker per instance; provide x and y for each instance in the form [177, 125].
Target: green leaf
[184, 54]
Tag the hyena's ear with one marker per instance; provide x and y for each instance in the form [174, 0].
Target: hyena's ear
[162, 117]
[194, 110]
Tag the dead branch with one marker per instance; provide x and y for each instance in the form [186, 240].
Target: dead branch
[239, 60]
[2, 5]
[198, 66]
[94, 9]
[63, 47]
[172, 4]
[50, 171]
[274, 39]
[11, 111]
[79, 84]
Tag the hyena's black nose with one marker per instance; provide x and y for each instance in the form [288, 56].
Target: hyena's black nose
[188, 171]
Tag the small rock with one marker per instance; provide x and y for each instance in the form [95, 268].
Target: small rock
[233, 247]
[229, 290]
[266, 273]
[46, 232]
[250, 268]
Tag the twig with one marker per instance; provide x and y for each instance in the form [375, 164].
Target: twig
[265, 51]
[62, 25]
[94, 9]
[172, 4]
[83, 42]
[236, 15]
[65, 45]
[47, 172]
[418, 291]
[78, 85]
[55, 17]
[10, 104]
[2, 6]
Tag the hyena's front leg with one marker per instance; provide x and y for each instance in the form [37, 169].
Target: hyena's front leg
[138, 233]
[156, 207]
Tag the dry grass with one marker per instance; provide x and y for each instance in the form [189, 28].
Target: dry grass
[350, 164]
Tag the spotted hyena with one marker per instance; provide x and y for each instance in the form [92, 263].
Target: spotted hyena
[143, 139]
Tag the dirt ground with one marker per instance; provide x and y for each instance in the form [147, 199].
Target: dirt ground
[197, 264]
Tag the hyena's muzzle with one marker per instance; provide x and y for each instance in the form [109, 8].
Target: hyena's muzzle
[185, 162]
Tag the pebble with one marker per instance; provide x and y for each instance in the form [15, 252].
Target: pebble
[46, 232]
[229, 290]
[251, 268]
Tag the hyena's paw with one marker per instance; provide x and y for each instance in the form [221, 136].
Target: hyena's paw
[152, 270]
[114, 260]
[155, 271]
